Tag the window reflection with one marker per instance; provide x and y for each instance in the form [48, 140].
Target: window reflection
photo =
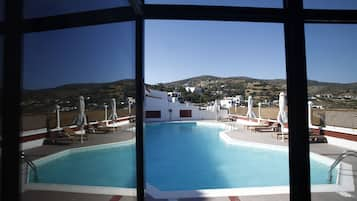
[78, 112]
[331, 67]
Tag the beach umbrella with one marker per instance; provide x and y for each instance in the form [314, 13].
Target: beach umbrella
[282, 115]
[81, 119]
[250, 113]
[114, 114]
[105, 112]
[216, 108]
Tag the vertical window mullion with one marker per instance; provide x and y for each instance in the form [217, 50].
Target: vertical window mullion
[139, 57]
[297, 102]
[11, 100]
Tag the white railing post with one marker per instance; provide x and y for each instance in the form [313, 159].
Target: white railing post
[106, 114]
[309, 112]
[58, 116]
[129, 105]
[259, 109]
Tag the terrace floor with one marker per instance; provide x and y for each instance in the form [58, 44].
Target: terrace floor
[240, 133]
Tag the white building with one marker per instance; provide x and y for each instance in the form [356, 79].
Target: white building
[158, 106]
[174, 94]
[193, 89]
[228, 102]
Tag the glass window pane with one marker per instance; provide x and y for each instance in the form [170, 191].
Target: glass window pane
[77, 113]
[243, 3]
[200, 76]
[332, 89]
[331, 4]
[43, 8]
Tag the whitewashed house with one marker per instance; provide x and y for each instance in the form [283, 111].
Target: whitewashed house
[158, 106]
[193, 89]
[229, 102]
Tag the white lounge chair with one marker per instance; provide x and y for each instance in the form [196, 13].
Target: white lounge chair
[247, 124]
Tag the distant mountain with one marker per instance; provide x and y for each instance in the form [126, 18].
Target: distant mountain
[314, 87]
[213, 87]
[96, 94]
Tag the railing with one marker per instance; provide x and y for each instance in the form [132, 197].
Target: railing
[342, 156]
[30, 164]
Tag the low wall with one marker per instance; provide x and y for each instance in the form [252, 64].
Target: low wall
[265, 112]
[36, 121]
[338, 118]
[174, 115]
[35, 138]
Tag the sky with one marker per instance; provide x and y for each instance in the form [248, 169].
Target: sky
[96, 54]
[181, 49]
[331, 52]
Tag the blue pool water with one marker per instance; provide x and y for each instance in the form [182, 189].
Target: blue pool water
[178, 156]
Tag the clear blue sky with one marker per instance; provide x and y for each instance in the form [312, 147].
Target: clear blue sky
[181, 49]
[331, 52]
[101, 53]
[245, 49]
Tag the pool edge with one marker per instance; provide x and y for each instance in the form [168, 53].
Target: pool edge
[345, 181]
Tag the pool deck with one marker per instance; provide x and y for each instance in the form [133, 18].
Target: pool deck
[240, 134]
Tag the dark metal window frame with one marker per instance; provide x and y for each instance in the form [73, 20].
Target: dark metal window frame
[293, 16]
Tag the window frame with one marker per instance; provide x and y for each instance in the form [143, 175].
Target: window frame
[292, 15]
[185, 113]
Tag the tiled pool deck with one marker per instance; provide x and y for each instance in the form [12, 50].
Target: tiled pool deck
[241, 134]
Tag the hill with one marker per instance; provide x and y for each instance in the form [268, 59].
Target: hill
[96, 94]
[333, 95]
[213, 87]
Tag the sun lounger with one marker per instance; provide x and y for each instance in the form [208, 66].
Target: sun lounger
[260, 125]
[249, 124]
[272, 128]
[77, 134]
[313, 138]
[317, 139]
[103, 130]
[60, 139]
[283, 133]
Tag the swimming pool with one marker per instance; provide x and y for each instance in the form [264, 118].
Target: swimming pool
[178, 156]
